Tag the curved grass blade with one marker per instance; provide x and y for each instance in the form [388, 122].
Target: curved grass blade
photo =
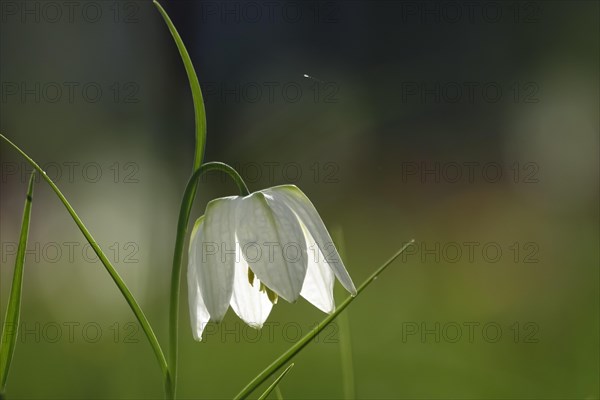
[139, 314]
[275, 383]
[186, 205]
[199, 112]
[10, 330]
[298, 346]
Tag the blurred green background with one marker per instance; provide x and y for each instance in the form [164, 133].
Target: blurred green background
[472, 128]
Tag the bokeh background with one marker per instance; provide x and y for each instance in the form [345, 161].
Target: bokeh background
[471, 127]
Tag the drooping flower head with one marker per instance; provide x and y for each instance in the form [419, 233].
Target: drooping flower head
[248, 251]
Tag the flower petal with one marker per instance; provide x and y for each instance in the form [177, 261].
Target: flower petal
[199, 316]
[318, 283]
[272, 242]
[306, 212]
[248, 302]
[216, 255]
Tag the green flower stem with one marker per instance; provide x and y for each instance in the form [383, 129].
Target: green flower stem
[10, 330]
[345, 340]
[182, 226]
[292, 351]
[141, 317]
[186, 206]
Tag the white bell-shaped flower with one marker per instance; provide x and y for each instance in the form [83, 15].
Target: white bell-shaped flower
[248, 251]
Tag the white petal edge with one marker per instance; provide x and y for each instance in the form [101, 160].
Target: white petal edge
[248, 302]
[318, 283]
[215, 254]
[199, 316]
[308, 215]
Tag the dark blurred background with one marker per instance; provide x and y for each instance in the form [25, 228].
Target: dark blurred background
[471, 127]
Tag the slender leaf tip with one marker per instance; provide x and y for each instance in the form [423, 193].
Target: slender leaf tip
[275, 383]
[10, 329]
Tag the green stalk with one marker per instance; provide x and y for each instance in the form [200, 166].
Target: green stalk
[8, 340]
[182, 227]
[139, 314]
[345, 336]
[292, 351]
[346, 358]
[186, 206]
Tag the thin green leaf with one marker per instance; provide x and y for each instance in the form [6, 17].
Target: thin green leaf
[344, 325]
[10, 330]
[199, 112]
[139, 314]
[275, 383]
[292, 351]
[186, 205]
